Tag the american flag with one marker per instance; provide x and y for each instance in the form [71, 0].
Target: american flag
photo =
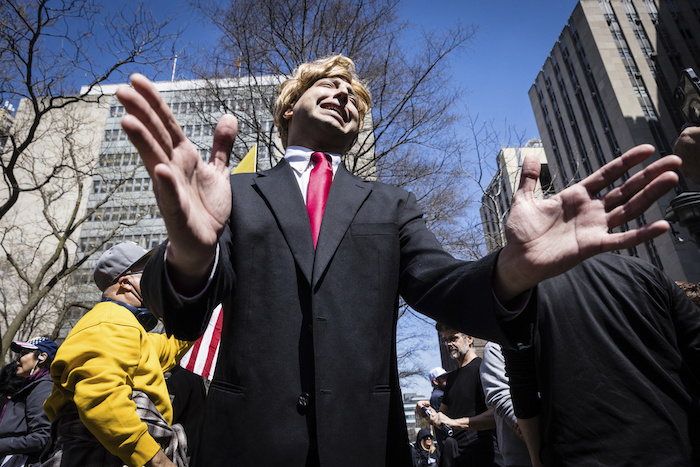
[201, 358]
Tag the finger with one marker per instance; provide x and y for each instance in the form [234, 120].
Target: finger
[224, 137]
[615, 169]
[639, 181]
[528, 178]
[641, 201]
[138, 109]
[155, 114]
[630, 238]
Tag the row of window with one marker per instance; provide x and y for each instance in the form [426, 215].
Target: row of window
[199, 130]
[238, 104]
[125, 213]
[133, 184]
[191, 131]
[115, 134]
[146, 240]
[119, 159]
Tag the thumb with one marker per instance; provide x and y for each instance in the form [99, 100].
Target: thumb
[529, 175]
[224, 136]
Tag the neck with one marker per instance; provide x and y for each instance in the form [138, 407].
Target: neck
[467, 358]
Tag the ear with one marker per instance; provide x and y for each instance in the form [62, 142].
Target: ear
[287, 114]
[43, 356]
[125, 283]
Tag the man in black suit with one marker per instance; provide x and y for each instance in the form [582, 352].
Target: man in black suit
[307, 367]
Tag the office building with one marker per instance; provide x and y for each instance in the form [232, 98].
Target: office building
[498, 197]
[607, 86]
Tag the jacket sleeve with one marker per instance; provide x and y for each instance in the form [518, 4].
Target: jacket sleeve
[38, 425]
[170, 349]
[453, 292]
[522, 373]
[495, 383]
[187, 319]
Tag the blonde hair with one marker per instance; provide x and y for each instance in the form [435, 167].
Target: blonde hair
[336, 66]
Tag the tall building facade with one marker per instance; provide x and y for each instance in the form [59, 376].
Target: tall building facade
[607, 86]
[498, 196]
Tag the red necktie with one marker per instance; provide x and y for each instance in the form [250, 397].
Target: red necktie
[319, 185]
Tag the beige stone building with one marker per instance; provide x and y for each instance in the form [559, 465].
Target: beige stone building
[497, 199]
[608, 86]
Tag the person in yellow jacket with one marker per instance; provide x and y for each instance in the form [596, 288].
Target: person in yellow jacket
[106, 360]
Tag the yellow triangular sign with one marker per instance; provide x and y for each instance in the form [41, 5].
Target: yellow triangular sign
[249, 163]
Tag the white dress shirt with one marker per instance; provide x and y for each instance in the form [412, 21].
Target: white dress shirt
[299, 158]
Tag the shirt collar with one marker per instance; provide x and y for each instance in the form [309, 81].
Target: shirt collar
[299, 158]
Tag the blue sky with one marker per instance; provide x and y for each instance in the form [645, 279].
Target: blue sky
[513, 40]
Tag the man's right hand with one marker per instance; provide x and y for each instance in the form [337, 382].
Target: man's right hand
[160, 460]
[194, 197]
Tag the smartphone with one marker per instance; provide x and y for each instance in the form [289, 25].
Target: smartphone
[687, 95]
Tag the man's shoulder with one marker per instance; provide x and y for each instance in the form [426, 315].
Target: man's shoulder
[604, 271]
[104, 312]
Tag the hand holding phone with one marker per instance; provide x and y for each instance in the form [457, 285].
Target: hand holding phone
[443, 427]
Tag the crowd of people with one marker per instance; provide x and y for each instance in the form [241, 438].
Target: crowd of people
[309, 262]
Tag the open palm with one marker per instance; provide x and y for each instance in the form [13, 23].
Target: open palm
[548, 237]
[194, 197]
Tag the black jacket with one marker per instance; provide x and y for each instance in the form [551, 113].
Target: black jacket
[24, 427]
[321, 323]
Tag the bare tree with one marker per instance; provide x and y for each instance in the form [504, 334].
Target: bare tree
[48, 50]
[414, 97]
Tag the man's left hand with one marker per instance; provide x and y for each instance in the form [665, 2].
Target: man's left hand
[548, 237]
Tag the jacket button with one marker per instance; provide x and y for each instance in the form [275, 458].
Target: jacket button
[303, 402]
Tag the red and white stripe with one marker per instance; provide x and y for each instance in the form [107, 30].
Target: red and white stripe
[201, 358]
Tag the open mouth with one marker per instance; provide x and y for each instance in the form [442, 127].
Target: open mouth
[337, 109]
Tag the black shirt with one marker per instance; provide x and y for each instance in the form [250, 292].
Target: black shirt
[464, 397]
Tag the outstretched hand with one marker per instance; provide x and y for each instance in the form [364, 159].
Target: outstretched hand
[194, 197]
[548, 237]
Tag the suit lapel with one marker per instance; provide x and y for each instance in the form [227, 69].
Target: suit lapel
[344, 200]
[281, 190]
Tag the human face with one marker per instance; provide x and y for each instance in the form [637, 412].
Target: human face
[441, 381]
[131, 284]
[26, 363]
[427, 443]
[325, 118]
[457, 343]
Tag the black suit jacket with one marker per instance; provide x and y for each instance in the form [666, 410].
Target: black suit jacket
[318, 322]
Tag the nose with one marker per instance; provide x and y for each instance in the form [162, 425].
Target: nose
[342, 93]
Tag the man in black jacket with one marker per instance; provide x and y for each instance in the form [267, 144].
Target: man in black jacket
[618, 381]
